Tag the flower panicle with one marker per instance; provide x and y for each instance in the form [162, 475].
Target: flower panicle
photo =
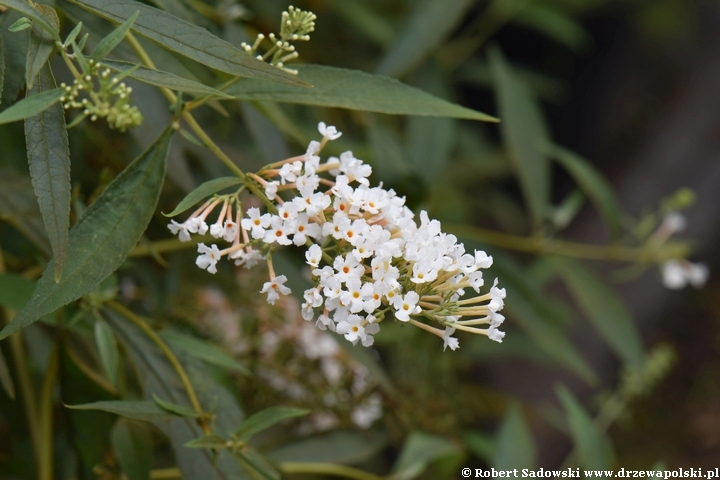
[369, 257]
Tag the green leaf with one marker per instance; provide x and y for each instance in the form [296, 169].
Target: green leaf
[207, 441]
[22, 24]
[73, 34]
[15, 291]
[100, 241]
[265, 419]
[593, 447]
[372, 24]
[49, 159]
[202, 350]
[5, 378]
[179, 410]
[428, 25]
[205, 190]
[604, 308]
[256, 464]
[160, 378]
[163, 79]
[515, 447]
[554, 24]
[30, 106]
[41, 44]
[37, 17]
[524, 134]
[188, 40]
[354, 90]
[15, 55]
[135, 409]
[592, 182]
[107, 44]
[418, 452]
[107, 348]
[481, 445]
[132, 444]
[337, 446]
[430, 140]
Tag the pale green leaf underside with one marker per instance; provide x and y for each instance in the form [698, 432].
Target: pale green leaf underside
[159, 78]
[605, 309]
[135, 409]
[49, 161]
[524, 135]
[27, 107]
[354, 90]
[41, 45]
[204, 190]
[101, 240]
[515, 447]
[592, 446]
[187, 39]
[22, 7]
[419, 451]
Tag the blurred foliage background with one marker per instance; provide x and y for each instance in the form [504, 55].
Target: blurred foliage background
[609, 122]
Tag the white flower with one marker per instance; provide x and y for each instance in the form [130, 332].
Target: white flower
[495, 335]
[209, 258]
[179, 229]
[313, 255]
[274, 288]
[406, 306]
[271, 190]
[278, 232]
[328, 132]
[674, 222]
[352, 329]
[451, 342]
[256, 223]
[497, 295]
[482, 259]
[248, 259]
[676, 274]
[303, 229]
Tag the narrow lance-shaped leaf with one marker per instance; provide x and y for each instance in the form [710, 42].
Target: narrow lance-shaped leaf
[101, 240]
[593, 447]
[428, 25]
[205, 351]
[27, 107]
[266, 419]
[354, 90]
[107, 348]
[515, 447]
[41, 44]
[48, 154]
[132, 444]
[605, 309]
[135, 409]
[204, 190]
[179, 410]
[24, 8]
[188, 40]
[107, 44]
[524, 135]
[208, 441]
[159, 78]
[15, 45]
[592, 182]
[419, 451]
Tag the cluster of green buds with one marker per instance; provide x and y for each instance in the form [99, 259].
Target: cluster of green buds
[295, 25]
[101, 95]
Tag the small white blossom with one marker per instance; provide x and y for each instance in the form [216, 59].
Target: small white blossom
[449, 341]
[274, 288]
[328, 131]
[209, 258]
[677, 274]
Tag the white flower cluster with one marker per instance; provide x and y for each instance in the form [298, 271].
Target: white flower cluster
[679, 273]
[368, 256]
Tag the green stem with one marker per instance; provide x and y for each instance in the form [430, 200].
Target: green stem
[187, 116]
[147, 330]
[546, 246]
[160, 246]
[326, 469]
[45, 464]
